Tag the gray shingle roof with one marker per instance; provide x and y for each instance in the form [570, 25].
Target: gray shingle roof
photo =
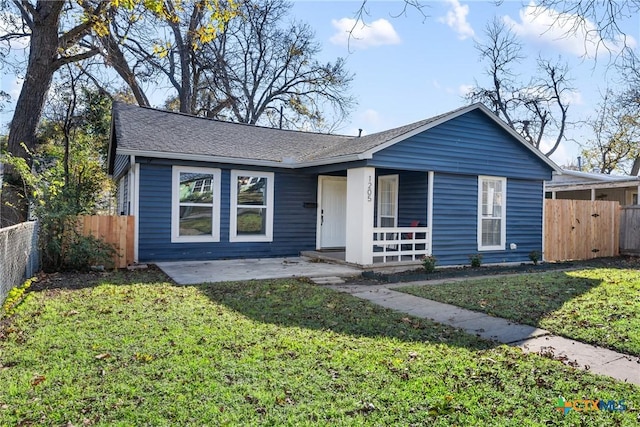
[152, 132]
[143, 129]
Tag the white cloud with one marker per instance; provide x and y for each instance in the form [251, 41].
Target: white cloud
[464, 89]
[565, 32]
[456, 19]
[562, 156]
[572, 97]
[360, 35]
[370, 121]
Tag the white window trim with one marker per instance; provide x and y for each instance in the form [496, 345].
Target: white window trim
[503, 217]
[233, 225]
[395, 180]
[175, 205]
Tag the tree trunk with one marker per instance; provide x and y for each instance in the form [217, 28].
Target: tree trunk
[635, 169]
[115, 56]
[43, 53]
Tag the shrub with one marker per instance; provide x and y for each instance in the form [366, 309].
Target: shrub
[534, 256]
[476, 260]
[429, 263]
[15, 297]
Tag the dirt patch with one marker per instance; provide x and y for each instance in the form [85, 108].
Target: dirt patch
[369, 277]
[80, 280]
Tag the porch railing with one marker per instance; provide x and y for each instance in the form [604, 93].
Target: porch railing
[395, 244]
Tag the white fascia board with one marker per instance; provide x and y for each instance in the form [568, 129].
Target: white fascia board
[592, 185]
[241, 161]
[600, 177]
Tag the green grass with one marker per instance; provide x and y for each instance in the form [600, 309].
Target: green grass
[134, 350]
[598, 306]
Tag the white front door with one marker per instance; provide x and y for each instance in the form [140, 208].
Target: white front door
[332, 212]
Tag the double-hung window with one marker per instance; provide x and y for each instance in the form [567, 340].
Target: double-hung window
[251, 206]
[492, 212]
[388, 201]
[195, 214]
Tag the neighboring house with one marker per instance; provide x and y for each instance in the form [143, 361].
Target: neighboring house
[593, 186]
[454, 185]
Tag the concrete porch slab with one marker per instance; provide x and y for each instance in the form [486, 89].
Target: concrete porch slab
[194, 272]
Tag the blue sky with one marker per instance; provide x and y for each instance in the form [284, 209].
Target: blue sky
[411, 67]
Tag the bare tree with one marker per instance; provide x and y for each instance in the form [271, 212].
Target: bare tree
[258, 69]
[602, 21]
[536, 109]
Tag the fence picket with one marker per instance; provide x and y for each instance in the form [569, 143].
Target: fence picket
[581, 229]
[115, 230]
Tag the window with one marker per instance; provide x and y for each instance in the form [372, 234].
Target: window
[491, 213]
[195, 205]
[251, 206]
[388, 201]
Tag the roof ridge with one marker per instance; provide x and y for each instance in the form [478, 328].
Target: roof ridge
[209, 119]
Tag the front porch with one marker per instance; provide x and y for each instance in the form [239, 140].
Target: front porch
[394, 249]
[374, 217]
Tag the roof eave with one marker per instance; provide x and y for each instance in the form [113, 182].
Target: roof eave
[592, 185]
[239, 161]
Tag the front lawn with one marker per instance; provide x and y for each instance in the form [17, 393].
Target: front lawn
[599, 306]
[133, 349]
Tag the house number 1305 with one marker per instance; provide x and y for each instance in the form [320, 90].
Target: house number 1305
[369, 189]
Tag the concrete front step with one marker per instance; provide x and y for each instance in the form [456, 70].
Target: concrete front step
[327, 280]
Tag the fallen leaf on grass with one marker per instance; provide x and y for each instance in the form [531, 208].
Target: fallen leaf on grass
[37, 379]
[103, 356]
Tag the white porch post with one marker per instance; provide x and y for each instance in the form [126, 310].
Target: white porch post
[430, 176]
[361, 193]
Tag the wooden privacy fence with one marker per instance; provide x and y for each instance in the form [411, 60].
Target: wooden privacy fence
[116, 230]
[630, 230]
[581, 229]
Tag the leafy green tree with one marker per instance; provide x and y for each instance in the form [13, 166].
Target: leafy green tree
[616, 130]
[59, 33]
[67, 177]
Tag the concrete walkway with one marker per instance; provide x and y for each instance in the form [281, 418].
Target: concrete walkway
[530, 339]
[194, 272]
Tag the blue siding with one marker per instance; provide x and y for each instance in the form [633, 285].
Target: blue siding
[412, 197]
[120, 165]
[455, 210]
[455, 223]
[123, 199]
[294, 227]
[469, 144]
[524, 218]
